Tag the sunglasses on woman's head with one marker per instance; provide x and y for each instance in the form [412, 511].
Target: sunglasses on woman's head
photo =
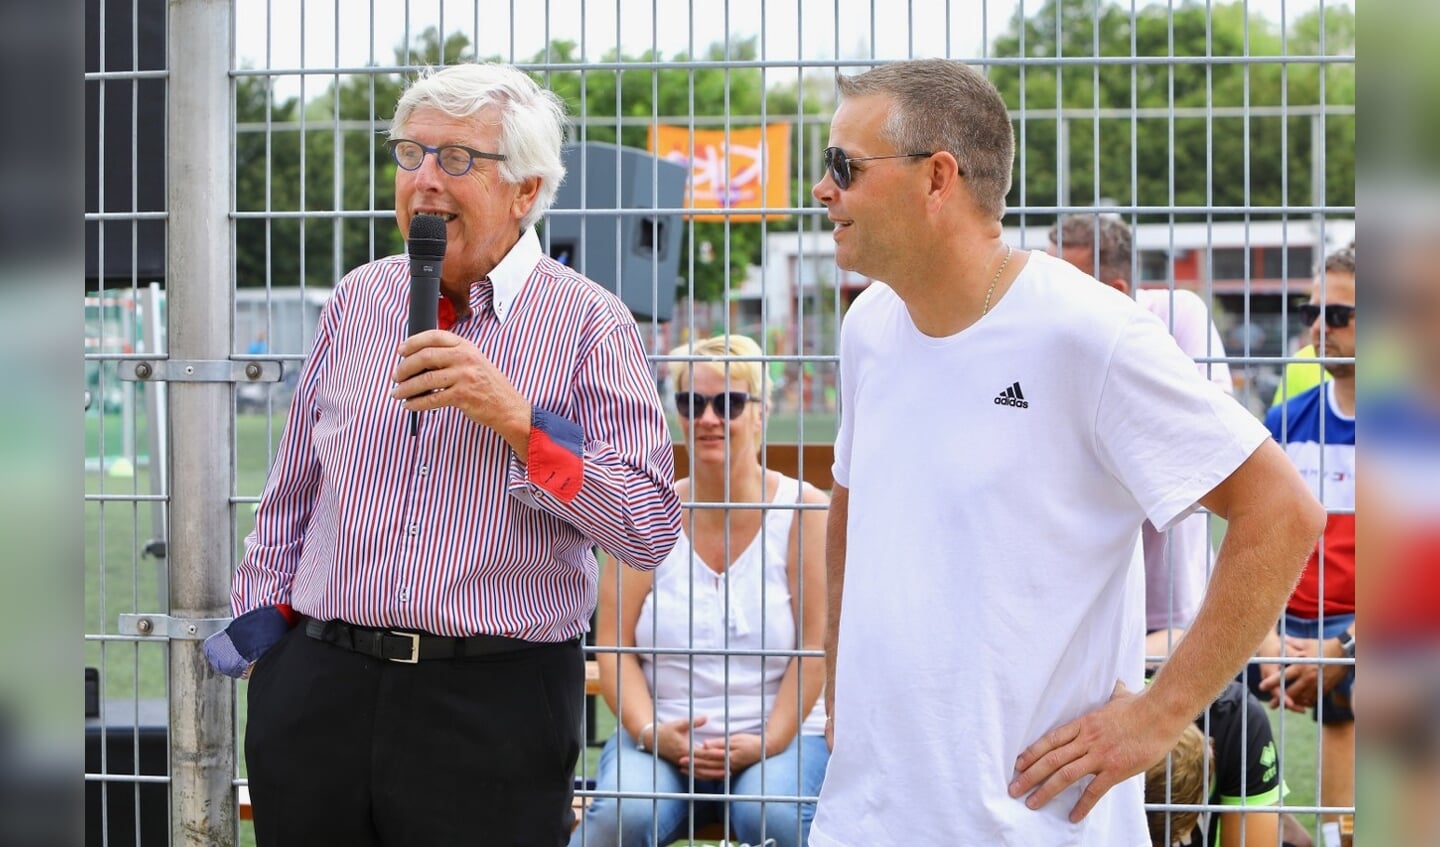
[838, 164]
[728, 406]
[1336, 316]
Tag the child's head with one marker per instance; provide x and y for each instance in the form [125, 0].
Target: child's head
[1189, 770]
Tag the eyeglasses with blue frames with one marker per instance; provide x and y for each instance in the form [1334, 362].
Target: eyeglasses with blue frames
[1336, 315]
[838, 164]
[728, 406]
[454, 159]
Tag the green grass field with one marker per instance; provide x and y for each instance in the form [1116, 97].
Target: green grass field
[120, 580]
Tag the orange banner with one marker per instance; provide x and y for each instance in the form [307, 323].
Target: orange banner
[753, 173]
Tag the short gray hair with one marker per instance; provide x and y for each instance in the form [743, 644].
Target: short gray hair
[532, 120]
[946, 105]
[1105, 235]
[1341, 261]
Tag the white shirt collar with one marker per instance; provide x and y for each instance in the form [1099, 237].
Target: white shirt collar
[510, 275]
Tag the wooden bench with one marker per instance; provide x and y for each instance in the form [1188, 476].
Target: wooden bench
[592, 678]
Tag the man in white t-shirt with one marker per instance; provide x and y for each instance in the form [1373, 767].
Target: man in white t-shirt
[1005, 428]
[1177, 562]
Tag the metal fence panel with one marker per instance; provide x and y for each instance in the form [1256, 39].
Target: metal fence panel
[1222, 134]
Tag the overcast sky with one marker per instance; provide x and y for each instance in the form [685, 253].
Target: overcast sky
[370, 31]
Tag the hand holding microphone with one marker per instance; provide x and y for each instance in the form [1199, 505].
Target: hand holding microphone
[426, 246]
[448, 370]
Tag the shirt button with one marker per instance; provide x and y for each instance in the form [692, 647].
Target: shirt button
[414, 529]
[424, 470]
[404, 596]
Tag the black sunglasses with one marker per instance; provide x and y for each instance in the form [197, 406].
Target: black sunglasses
[838, 164]
[727, 406]
[1336, 316]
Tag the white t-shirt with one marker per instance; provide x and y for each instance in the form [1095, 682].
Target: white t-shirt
[746, 608]
[993, 584]
[1177, 562]
[1187, 318]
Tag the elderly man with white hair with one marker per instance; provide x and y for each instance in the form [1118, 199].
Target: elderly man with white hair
[410, 604]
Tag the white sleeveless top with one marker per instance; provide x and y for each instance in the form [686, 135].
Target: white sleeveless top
[704, 610]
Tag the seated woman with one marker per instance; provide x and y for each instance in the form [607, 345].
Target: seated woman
[741, 579]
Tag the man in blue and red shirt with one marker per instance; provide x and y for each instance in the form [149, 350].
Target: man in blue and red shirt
[1317, 429]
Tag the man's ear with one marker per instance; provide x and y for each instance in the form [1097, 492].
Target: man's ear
[945, 175]
[525, 198]
[1120, 284]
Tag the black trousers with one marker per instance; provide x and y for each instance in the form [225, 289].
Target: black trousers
[345, 749]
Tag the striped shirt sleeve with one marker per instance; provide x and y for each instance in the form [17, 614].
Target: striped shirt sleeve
[272, 550]
[624, 496]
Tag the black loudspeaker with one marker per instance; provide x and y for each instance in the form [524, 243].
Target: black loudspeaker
[636, 256]
[125, 140]
[133, 738]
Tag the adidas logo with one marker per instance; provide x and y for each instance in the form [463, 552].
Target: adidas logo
[1012, 396]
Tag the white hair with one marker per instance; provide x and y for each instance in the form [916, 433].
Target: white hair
[532, 120]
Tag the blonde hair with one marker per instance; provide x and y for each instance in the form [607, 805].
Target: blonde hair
[1190, 765]
[752, 372]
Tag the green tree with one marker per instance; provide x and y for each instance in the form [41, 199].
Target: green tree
[717, 252]
[335, 140]
[1185, 160]
[354, 112]
[266, 172]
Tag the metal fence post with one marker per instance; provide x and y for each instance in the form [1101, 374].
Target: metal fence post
[198, 165]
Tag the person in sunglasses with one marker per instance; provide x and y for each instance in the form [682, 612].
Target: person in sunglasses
[741, 579]
[1006, 427]
[1317, 430]
[411, 603]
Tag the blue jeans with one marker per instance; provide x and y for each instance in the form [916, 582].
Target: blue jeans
[612, 822]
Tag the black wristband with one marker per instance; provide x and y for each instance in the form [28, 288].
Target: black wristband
[1347, 644]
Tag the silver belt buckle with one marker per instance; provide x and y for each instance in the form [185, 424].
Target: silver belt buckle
[414, 646]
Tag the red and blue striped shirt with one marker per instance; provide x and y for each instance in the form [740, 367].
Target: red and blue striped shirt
[448, 531]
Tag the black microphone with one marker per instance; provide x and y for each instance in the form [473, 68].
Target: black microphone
[426, 246]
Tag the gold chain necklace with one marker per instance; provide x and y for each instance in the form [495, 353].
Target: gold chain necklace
[995, 279]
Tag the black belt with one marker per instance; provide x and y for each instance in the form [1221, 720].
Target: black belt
[410, 647]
